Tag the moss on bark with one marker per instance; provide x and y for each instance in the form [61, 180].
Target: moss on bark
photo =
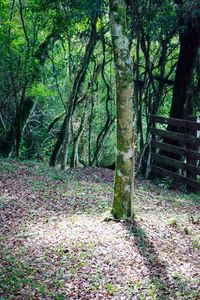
[123, 190]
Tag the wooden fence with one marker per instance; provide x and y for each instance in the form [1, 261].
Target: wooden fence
[175, 150]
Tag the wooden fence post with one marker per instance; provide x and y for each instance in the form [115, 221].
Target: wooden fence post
[194, 147]
[149, 173]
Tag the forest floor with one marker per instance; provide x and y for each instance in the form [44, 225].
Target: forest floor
[54, 243]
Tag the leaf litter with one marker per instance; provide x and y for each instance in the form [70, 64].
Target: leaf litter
[54, 243]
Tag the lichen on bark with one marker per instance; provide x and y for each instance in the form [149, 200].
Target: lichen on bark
[124, 176]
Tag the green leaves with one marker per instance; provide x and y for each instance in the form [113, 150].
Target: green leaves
[40, 92]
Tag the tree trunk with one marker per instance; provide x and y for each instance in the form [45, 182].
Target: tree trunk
[189, 37]
[66, 138]
[11, 145]
[90, 133]
[74, 156]
[189, 43]
[124, 178]
[65, 134]
[56, 149]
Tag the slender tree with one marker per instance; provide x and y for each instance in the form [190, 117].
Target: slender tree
[65, 132]
[124, 174]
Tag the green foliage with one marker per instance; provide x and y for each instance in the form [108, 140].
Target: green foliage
[40, 92]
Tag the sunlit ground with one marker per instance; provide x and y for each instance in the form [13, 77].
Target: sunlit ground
[55, 244]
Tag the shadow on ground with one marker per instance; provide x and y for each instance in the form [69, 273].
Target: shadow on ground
[165, 286]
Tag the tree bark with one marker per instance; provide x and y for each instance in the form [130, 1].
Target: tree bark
[58, 144]
[65, 134]
[76, 142]
[11, 145]
[189, 37]
[124, 173]
[182, 106]
[76, 89]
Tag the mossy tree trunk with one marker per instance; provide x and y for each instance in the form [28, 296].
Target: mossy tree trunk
[124, 173]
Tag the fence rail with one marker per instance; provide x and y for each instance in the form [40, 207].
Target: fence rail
[176, 122]
[175, 150]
